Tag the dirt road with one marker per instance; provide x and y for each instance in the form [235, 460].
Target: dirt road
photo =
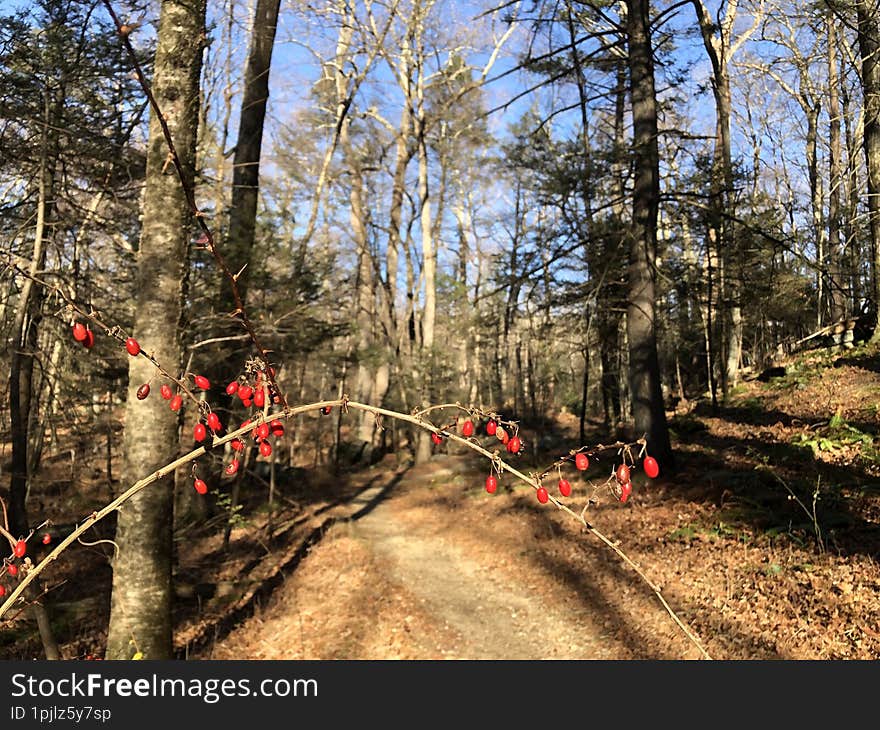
[400, 576]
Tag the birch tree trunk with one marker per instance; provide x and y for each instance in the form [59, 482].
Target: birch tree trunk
[140, 610]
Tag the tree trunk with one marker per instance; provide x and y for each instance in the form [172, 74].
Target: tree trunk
[140, 611]
[246, 161]
[837, 295]
[21, 365]
[429, 275]
[647, 398]
[869, 48]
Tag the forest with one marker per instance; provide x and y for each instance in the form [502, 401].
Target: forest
[514, 329]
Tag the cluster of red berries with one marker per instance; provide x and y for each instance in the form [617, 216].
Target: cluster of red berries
[19, 550]
[254, 394]
[83, 335]
[622, 476]
[513, 443]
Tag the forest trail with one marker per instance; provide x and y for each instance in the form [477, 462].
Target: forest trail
[391, 581]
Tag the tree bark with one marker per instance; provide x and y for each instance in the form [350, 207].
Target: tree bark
[647, 398]
[140, 611]
[869, 48]
[837, 294]
[246, 161]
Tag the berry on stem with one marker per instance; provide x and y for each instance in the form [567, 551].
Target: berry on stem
[237, 445]
[200, 486]
[565, 487]
[259, 397]
[652, 468]
[514, 445]
[491, 427]
[131, 344]
[277, 428]
[231, 467]
[214, 422]
[582, 461]
[245, 392]
[263, 431]
[143, 391]
[165, 391]
[467, 428]
[542, 495]
[47, 538]
[176, 403]
[491, 484]
[199, 432]
[265, 448]
[325, 411]
[622, 474]
[12, 569]
[20, 549]
[79, 331]
[625, 490]
[89, 340]
[2, 591]
[202, 382]
[232, 388]
[436, 438]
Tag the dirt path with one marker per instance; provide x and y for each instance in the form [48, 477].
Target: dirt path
[393, 582]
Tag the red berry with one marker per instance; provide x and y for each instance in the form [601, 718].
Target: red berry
[467, 428]
[165, 392]
[89, 339]
[202, 382]
[514, 445]
[625, 490]
[131, 344]
[199, 432]
[232, 467]
[263, 431]
[542, 495]
[143, 391]
[325, 411]
[504, 437]
[622, 474]
[259, 397]
[565, 487]
[277, 428]
[79, 331]
[436, 438]
[265, 448]
[491, 484]
[2, 591]
[237, 445]
[652, 468]
[176, 403]
[200, 486]
[214, 422]
[581, 461]
[12, 569]
[47, 538]
[491, 426]
[245, 392]
[247, 402]
[20, 549]
[232, 388]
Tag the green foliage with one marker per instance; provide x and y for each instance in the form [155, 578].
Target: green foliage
[836, 436]
[233, 511]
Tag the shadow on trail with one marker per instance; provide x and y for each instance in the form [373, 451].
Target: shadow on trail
[769, 487]
[218, 629]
